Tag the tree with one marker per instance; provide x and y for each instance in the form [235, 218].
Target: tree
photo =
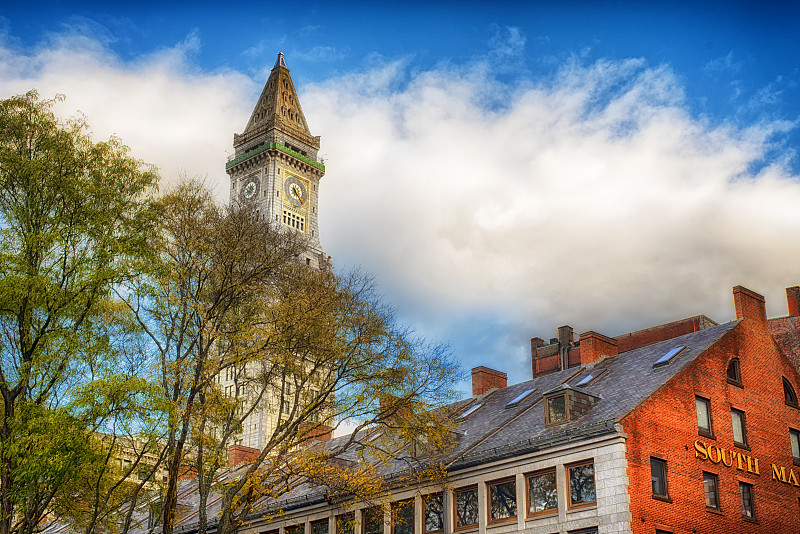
[227, 294]
[74, 222]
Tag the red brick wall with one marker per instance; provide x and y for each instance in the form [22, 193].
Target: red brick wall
[642, 338]
[484, 379]
[238, 454]
[666, 426]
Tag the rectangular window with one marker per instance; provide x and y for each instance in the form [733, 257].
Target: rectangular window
[346, 523]
[581, 484]
[466, 508]
[434, 512]
[542, 495]
[294, 529]
[739, 433]
[403, 517]
[502, 500]
[319, 527]
[704, 416]
[658, 475]
[746, 492]
[372, 520]
[556, 410]
[794, 439]
[711, 491]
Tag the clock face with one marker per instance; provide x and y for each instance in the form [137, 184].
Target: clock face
[250, 189]
[296, 191]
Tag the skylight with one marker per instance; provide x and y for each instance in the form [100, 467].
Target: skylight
[470, 411]
[520, 397]
[666, 358]
[586, 379]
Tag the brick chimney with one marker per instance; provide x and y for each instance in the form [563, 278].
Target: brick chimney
[485, 379]
[749, 305]
[239, 454]
[793, 299]
[315, 432]
[594, 345]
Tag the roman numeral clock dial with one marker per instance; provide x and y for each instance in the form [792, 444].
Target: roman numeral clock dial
[295, 191]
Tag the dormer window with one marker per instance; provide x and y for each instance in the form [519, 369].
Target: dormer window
[565, 404]
[557, 409]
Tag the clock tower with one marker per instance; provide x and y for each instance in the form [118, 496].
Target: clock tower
[275, 166]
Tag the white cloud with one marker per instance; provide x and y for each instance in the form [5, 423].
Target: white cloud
[169, 113]
[488, 213]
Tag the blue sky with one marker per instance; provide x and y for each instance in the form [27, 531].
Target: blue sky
[501, 168]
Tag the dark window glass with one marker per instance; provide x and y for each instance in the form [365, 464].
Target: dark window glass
[739, 433]
[373, 520]
[466, 507]
[590, 530]
[659, 531]
[556, 409]
[733, 371]
[581, 484]
[658, 474]
[542, 494]
[319, 527]
[403, 517]
[711, 491]
[794, 439]
[434, 512]
[294, 529]
[703, 415]
[788, 393]
[346, 523]
[746, 492]
[502, 500]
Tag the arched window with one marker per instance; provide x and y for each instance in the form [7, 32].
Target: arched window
[788, 393]
[734, 373]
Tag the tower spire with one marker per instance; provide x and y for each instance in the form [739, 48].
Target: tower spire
[280, 62]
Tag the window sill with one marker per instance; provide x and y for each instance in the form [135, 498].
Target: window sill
[707, 434]
[543, 513]
[750, 519]
[793, 405]
[504, 521]
[467, 528]
[714, 511]
[663, 498]
[796, 461]
[742, 446]
[582, 507]
[736, 383]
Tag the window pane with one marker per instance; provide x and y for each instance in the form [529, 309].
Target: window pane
[434, 512]
[319, 527]
[345, 524]
[794, 437]
[737, 419]
[658, 474]
[703, 419]
[373, 520]
[746, 491]
[557, 411]
[733, 370]
[503, 499]
[467, 507]
[295, 529]
[542, 492]
[710, 488]
[581, 484]
[403, 517]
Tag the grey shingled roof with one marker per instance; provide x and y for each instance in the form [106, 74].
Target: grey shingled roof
[495, 431]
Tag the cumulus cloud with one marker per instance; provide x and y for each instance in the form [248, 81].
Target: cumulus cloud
[592, 198]
[169, 113]
[488, 212]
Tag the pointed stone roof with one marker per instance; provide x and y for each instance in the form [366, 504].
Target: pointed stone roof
[278, 108]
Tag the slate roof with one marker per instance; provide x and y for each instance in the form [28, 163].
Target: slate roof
[495, 431]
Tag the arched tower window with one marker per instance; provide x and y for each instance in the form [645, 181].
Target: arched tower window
[788, 392]
[734, 373]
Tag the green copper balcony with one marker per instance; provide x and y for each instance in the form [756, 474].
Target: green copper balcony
[277, 146]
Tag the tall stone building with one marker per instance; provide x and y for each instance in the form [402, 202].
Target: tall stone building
[276, 169]
[276, 166]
